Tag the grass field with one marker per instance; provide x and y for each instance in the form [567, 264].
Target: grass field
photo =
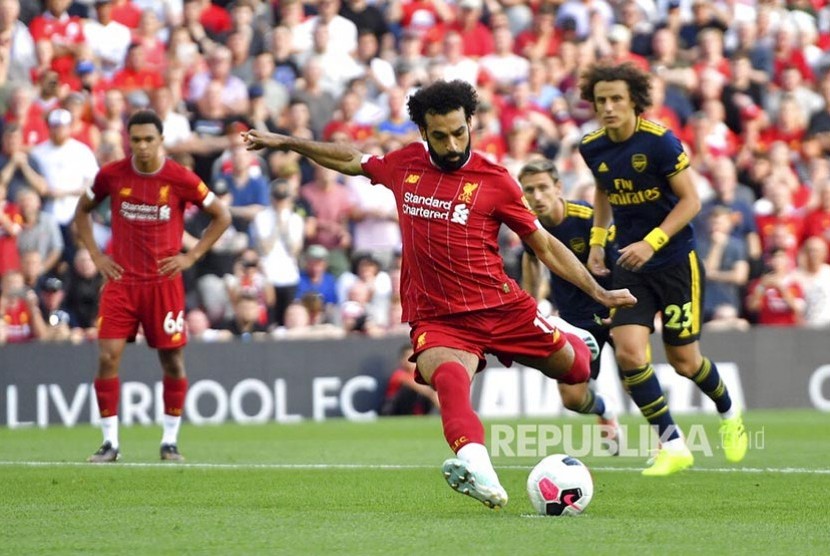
[376, 488]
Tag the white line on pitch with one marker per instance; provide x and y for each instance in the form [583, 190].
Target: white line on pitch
[312, 466]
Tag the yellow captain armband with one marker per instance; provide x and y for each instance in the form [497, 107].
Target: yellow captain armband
[657, 239]
[599, 236]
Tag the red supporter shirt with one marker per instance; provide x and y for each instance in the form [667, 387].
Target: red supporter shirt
[449, 227]
[147, 213]
[67, 30]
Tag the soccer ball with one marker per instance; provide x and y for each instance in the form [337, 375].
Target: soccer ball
[560, 485]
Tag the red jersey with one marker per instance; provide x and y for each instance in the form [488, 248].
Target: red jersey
[147, 213]
[65, 30]
[449, 227]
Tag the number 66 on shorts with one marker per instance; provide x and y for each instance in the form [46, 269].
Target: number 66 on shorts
[157, 306]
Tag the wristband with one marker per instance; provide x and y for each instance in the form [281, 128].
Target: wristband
[599, 236]
[657, 239]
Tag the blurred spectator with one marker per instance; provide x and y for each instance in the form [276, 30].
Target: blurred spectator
[403, 395]
[205, 280]
[503, 65]
[249, 190]
[618, 49]
[475, 35]
[320, 102]
[245, 324]
[729, 193]
[286, 69]
[379, 73]
[374, 220]
[278, 234]
[659, 111]
[176, 126]
[576, 14]
[355, 316]
[69, 167]
[10, 226]
[725, 260]
[541, 40]
[793, 87]
[199, 329]
[18, 169]
[817, 221]
[24, 112]
[31, 266]
[233, 93]
[782, 226]
[315, 279]
[331, 205]
[777, 298]
[298, 326]
[242, 63]
[367, 16]
[726, 317]
[814, 277]
[667, 63]
[137, 74]
[744, 99]
[82, 288]
[62, 34]
[20, 318]
[17, 48]
[248, 278]
[787, 53]
[39, 231]
[51, 297]
[345, 125]
[153, 36]
[275, 95]
[376, 287]
[818, 127]
[81, 127]
[342, 32]
[410, 59]
[108, 40]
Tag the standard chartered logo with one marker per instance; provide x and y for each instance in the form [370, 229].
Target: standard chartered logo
[460, 214]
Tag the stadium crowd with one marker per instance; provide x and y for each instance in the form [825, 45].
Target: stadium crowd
[744, 83]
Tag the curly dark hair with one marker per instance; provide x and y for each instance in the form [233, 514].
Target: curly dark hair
[639, 83]
[146, 117]
[442, 97]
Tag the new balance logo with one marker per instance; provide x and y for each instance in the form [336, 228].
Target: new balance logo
[603, 167]
[460, 214]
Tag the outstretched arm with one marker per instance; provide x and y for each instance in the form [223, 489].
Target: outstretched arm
[561, 261]
[340, 157]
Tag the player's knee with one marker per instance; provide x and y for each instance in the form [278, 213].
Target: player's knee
[572, 399]
[108, 363]
[580, 370]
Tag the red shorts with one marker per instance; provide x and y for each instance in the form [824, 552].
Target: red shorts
[506, 331]
[157, 306]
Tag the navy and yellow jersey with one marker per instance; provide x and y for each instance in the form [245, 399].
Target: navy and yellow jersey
[634, 174]
[575, 306]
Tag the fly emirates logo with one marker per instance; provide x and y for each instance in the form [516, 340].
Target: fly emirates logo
[434, 209]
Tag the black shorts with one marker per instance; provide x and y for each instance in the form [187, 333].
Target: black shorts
[675, 291]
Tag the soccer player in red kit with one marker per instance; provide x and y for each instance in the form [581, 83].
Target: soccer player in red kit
[457, 298]
[148, 195]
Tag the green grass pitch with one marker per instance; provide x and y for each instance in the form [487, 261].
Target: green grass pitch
[376, 488]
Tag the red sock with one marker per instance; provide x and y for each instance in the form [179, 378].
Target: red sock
[173, 394]
[580, 371]
[461, 425]
[108, 391]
